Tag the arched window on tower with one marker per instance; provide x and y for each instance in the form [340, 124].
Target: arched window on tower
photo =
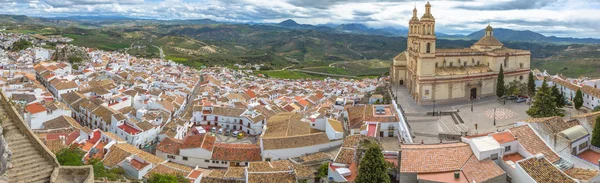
[451, 64]
[465, 64]
[428, 47]
[521, 65]
[444, 62]
[436, 65]
[506, 62]
[473, 61]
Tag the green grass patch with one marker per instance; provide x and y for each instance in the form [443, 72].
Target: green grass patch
[176, 59]
[328, 70]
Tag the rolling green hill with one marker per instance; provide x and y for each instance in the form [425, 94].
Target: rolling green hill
[207, 43]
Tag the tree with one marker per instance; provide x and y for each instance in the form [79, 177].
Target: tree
[559, 98]
[596, 109]
[578, 100]
[515, 88]
[21, 44]
[596, 133]
[531, 85]
[70, 157]
[101, 171]
[373, 167]
[323, 170]
[165, 178]
[500, 90]
[544, 104]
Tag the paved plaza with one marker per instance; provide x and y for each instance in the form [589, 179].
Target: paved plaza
[427, 128]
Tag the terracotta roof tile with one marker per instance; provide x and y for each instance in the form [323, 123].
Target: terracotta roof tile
[503, 137]
[541, 170]
[196, 141]
[35, 108]
[532, 142]
[582, 174]
[236, 152]
[554, 124]
[481, 171]
[169, 146]
[115, 156]
[434, 158]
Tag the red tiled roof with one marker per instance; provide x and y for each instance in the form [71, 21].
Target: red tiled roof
[372, 130]
[434, 158]
[447, 177]
[129, 129]
[169, 146]
[236, 152]
[503, 137]
[195, 174]
[532, 142]
[203, 141]
[35, 108]
[137, 164]
[481, 171]
[250, 93]
[96, 136]
[540, 170]
[303, 102]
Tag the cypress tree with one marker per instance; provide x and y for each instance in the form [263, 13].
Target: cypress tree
[531, 85]
[558, 95]
[596, 133]
[373, 167]
[500, 88]
[578, 100]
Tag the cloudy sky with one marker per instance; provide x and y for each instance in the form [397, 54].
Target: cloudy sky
[565, 18]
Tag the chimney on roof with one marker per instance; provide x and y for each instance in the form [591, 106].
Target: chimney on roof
[456, 174]
[62, 139]
[539, 156]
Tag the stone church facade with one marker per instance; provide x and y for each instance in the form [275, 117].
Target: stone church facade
[451, 75]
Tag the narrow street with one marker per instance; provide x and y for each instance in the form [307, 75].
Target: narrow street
[191, 97]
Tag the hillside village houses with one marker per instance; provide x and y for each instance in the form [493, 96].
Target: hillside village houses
[115, 104]
[569, 87]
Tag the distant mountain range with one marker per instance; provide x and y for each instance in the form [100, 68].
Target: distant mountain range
[353, 28]
[504, 35]
[528, 36]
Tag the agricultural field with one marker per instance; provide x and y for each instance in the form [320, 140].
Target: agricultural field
[287, 74]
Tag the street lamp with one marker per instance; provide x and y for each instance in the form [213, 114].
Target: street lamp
[494, 116]
[433, 107]
[471, 104]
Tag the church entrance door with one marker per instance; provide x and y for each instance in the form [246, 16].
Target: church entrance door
[401, 82]
[473, 93]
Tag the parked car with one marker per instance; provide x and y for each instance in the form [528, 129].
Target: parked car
[512, 97]
[568, 103]
[519, 100]
[227, 132]
[240, 135]
[220, 131]
[214, 129]
[235, 133]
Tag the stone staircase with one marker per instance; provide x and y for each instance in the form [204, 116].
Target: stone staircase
[28, 163]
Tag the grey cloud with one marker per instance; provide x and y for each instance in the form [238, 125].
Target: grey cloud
[68, 3]
[510, 5]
